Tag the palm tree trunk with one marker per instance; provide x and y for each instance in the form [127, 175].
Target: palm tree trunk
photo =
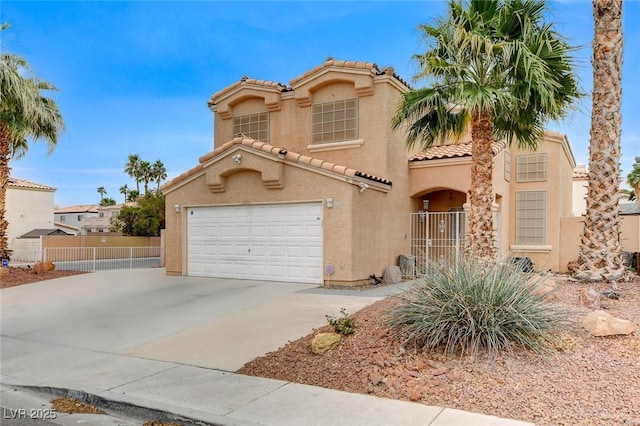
[480, 227]
[600, 250]
[4, 180]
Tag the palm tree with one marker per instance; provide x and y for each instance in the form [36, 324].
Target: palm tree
[600, 254]
[124, 189]
[497, 68]
[107, 201]
[145, 174]
[25, 113]
[101, 191]
[158, 173]
[132, 168]
[633, 178]
[133, 195]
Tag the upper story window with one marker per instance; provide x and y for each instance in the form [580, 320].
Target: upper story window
[79, 218]
[255, 126]
[531, 168]
[63, 218]
[335, 121]
[101, 214]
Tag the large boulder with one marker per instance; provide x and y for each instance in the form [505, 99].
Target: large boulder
[601, 323]
[323, 342]
[45, 266]
[392, 275]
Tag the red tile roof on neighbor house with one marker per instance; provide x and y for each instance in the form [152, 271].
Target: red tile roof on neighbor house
[281, 153]
[21, 183]
[452, 151]
[580, 173]
[86, 208]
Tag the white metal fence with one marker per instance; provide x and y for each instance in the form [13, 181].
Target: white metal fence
[102, 258]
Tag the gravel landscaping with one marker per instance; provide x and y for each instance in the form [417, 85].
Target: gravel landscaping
[584, 381]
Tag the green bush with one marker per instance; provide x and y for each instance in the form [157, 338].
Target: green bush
[468, 307]
[342, 325]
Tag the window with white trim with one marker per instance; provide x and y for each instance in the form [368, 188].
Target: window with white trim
[531, 168]
[334, 121]
[531, 218]
[255, 126]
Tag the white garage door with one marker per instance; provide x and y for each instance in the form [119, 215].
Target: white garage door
[272, 242]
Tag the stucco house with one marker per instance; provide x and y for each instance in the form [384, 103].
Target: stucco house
[102, 222]
[307, 182]
[29, 206]
[74, 216]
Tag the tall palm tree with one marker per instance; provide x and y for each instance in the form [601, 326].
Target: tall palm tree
[25, 114]
[633, 178]
[158, 173]
[101, 191]
[600, 254]
[145, 174]
[124, 190]
[496, 67]
[132, 168]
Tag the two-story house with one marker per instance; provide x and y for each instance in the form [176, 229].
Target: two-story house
[74, 216]
[307, 182]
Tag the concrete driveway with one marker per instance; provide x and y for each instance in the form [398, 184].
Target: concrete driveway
[144, 314]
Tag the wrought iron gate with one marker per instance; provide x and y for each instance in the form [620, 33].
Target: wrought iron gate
[436, 237]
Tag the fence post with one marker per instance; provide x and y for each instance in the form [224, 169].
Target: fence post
[94, 259]
[130, 257]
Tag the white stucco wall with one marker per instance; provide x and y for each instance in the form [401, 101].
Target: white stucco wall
[578, 204]
[28, 209]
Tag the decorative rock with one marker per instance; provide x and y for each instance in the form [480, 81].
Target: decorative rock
[414, 395]
[41, 267]
[439, 371]
[392, 275]
[601, 323]
[323, 342]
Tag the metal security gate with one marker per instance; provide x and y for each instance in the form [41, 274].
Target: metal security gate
[436, 237]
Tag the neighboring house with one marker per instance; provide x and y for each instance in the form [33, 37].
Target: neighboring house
[309, 183]
[580, 182]
[102, 222]
[29, 206]
[73, 216]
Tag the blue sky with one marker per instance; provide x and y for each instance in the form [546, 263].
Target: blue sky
[135, 77]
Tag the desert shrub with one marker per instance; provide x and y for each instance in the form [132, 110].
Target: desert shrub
[468, 307]
[342, 325]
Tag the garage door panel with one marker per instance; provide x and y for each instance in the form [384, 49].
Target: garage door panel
[280, 242]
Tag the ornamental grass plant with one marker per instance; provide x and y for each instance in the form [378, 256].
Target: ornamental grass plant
[475, 308]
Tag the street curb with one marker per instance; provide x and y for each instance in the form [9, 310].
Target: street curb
[129, 407]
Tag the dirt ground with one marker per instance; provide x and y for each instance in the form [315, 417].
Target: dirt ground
[586, 381]
[11, 277]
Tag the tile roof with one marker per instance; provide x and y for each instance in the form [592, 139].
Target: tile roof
[36, 233]
[280, 153]
[85, 208]
[452, 151]
[629, 208]
[580, 173]
[21, 183]
[330, 62]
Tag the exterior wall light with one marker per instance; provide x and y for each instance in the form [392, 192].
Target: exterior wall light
[177, 208]
[237, 158]
[425, 205]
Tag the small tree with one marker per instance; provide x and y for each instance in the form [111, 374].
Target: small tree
[124, 190]
[145, 220]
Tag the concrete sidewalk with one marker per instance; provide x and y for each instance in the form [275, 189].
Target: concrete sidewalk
[144, 344]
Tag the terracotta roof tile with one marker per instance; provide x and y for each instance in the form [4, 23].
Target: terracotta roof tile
[278, 152]
[21, 183]
[580, 173]
[452, 151]
[83, 208]
[246, 81]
